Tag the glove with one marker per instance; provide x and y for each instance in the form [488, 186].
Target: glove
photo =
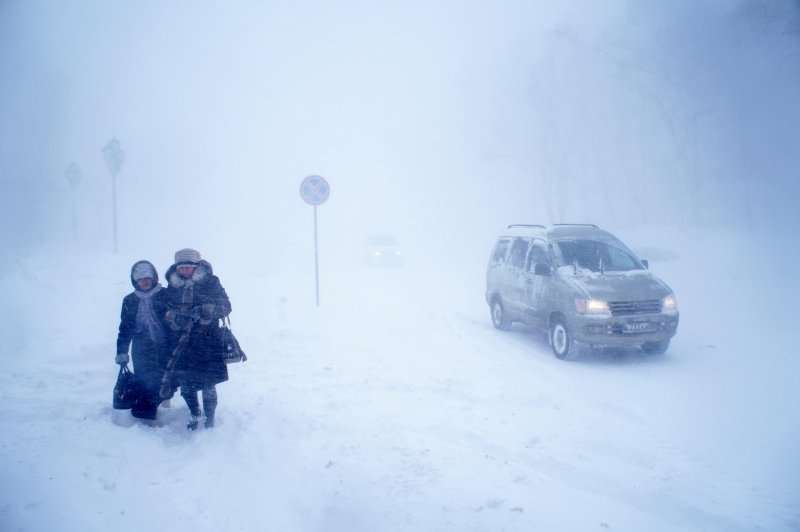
[121, 359]
[203, 312]
[180, 320]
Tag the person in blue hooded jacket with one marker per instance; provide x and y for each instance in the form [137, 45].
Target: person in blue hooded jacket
[142, 331]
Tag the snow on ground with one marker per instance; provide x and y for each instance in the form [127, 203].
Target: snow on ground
[395, 405]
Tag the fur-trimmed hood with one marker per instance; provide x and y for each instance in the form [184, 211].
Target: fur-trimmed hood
[200, 272]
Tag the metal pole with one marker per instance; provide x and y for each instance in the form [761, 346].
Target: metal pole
[73, 175]
[316, 254]
[114, 204]
[74, 216]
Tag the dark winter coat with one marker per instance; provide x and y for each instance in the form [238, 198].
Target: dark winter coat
[149, 349]
[200, 364]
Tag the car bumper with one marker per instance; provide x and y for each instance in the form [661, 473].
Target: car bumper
[624, 330]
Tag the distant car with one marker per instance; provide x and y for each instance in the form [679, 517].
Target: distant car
[580, 284]
[383, 250]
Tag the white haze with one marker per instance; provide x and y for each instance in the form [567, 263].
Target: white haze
[421, 115]
[671, 124]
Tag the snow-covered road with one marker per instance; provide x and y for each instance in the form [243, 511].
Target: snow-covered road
[395, 405]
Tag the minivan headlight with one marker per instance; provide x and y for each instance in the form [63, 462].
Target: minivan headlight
[591, 306]
[670, 303]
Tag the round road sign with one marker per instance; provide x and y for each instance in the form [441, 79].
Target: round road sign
[314, 190]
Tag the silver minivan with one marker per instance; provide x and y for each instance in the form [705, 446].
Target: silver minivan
[582, 285]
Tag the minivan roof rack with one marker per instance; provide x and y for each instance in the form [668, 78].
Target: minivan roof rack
[526, 225]
[579, 225]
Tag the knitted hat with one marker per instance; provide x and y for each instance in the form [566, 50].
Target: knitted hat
[143, 270]
[187, 256]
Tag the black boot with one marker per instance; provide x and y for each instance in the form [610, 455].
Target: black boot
[190, 396]
[194, 418]
[209, 405]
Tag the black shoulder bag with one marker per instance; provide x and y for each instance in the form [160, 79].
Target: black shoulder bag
[231, 351]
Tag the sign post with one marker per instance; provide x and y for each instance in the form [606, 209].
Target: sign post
[315, 190]
[73, 176]
[114, 156]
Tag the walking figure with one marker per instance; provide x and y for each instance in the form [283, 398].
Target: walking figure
[142, 331]
[196, 302]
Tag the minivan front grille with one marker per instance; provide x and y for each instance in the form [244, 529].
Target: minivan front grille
[627, 308]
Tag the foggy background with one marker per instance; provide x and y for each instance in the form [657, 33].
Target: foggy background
[438, 121]
[672, 124]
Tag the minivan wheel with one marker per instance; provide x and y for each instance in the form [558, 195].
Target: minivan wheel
[655, 348]
[561, 339]
[499, 317]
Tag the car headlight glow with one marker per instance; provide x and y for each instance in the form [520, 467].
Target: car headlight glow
[591, 306]
[670, 303]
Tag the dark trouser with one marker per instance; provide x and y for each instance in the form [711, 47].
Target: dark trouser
[189, 394]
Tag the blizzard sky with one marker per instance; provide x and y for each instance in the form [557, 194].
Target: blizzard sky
[672, 124]
[439, 121]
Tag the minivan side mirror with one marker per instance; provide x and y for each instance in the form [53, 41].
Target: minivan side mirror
[540, 268]
[646, 263]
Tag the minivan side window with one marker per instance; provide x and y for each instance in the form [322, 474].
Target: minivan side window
[499, 255]
[538, 254]
[519, 250]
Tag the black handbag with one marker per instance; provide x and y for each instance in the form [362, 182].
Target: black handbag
[126, 390]
[145, 406]
[231, 351]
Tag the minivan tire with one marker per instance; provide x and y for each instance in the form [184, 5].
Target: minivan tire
[500, 319]
[561, 339]
[656, 347]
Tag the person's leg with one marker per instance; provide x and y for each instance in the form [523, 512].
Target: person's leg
[210, 404]
[189, 394]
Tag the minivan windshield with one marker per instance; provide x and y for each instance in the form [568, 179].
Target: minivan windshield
[596, 256]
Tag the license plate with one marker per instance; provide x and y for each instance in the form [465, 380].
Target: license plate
[640, 327]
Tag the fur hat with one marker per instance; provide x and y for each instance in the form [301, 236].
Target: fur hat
[143, 270]
[187, 256]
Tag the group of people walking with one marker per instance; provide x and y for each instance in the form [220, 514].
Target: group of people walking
[174, 335]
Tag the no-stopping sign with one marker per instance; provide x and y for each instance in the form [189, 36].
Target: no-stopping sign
[314, 190]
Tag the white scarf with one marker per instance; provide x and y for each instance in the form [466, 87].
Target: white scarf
[146, 318]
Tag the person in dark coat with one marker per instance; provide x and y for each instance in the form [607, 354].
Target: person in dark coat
[142, 330]
[196, 302]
